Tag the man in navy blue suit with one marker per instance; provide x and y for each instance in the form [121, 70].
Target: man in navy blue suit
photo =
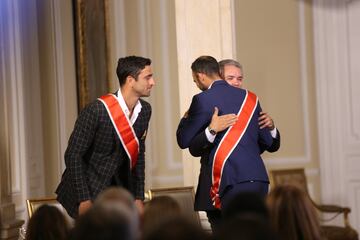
[233, 164]
[232, 72]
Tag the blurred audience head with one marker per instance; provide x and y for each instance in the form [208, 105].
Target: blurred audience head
[106, 222]
[246, 203]
[48, 223]
[245, 226]
[158, 210]
[115, 195]
[292, 213]
[245, 217]
[177, 228]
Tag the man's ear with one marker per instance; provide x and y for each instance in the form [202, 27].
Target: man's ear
[129, 80]
[201, 77]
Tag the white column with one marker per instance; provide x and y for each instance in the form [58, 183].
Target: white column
[13, 74]
[203, 27]
[64, 73]
[8, 224]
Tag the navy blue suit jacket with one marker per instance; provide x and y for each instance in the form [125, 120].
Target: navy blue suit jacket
[245, 163]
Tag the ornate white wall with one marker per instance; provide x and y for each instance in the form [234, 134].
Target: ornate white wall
[38, 89]
[173, 35]
[337, 58]
[21, 95]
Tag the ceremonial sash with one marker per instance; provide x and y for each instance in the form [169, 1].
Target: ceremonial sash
[229, 142]
[123, 127]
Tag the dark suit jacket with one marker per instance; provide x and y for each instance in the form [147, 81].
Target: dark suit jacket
[245, 163]
[95, 158]
[201, 147]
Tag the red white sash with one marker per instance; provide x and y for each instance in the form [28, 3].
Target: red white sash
[123, 127]
[229, 142]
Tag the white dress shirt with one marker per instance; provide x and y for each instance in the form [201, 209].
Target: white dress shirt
[137, 108]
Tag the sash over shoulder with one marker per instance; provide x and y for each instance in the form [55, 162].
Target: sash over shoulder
[122, 126]
[228, 143]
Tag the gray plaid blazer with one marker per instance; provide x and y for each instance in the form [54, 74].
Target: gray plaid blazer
[95, 158]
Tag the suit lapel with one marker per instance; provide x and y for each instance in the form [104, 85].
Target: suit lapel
[139, 124]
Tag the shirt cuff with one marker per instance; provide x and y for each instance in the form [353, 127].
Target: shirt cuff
[273, 132]
[209, 136]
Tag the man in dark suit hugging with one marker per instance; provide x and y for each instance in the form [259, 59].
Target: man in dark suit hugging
[107, 145]
[231, 161]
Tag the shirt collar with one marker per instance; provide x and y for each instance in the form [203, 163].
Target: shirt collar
[137, 108]
[214, 82]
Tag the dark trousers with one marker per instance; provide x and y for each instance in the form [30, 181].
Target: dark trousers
[261, 188]
[214, 216]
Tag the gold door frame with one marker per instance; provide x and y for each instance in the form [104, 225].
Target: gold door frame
[92, 51]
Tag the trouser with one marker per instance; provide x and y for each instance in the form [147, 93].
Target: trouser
[261, 188]
[214, 216]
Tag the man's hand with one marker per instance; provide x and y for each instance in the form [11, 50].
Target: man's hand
[140, 206]
[220, 123]
[186, 114]
[84, 206]
[266, 121]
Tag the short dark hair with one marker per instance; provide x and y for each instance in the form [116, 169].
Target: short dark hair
[207, 65]
[246, 203]
[130, 66]
[177, 228]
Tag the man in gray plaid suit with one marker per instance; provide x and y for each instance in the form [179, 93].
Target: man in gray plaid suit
[107, 145]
